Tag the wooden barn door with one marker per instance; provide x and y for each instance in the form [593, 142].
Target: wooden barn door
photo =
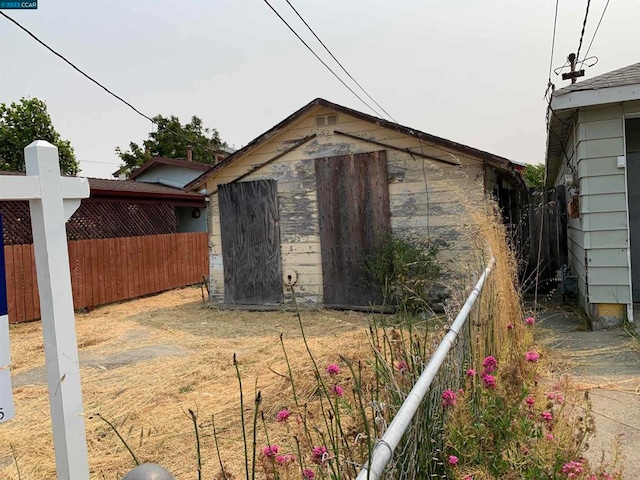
[250, 242]
[353, 205]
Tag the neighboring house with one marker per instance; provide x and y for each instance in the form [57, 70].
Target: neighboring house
[300, 204]
[115, 208]
[593, 150]
[175, 173]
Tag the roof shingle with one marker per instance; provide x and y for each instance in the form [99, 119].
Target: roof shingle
[629, 75]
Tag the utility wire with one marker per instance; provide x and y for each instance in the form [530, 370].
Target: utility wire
[320, 60]
[596, 32]
[584, 25]
[88, 77]
[338, 62]
[553, 40]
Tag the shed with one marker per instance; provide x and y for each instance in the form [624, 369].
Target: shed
[302, 202]
[593, 150]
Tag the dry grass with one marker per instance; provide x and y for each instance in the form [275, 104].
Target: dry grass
[148, 397]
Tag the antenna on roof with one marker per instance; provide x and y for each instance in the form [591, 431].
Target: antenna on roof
[573, 74]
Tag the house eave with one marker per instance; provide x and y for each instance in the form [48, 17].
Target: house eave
[556, 135]
[600, 96]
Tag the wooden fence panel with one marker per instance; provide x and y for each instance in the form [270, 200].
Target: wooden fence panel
[109, 270]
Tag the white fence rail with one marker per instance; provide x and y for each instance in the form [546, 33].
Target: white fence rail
[383, 451]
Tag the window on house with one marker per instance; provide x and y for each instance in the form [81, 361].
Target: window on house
[325, 120]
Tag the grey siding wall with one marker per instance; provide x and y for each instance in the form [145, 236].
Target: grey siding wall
[603, 203]
[178, 175]
[575, 228]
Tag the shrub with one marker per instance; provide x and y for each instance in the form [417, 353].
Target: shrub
[405, 270]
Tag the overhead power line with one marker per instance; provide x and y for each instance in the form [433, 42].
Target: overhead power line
[90, 78]
[553, 40]
[338, 62]
[320, 59]
[584, 26]
[597, 27]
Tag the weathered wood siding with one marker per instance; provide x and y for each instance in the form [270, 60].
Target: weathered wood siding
[427, 198]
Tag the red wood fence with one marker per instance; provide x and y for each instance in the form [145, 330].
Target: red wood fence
[109, 270]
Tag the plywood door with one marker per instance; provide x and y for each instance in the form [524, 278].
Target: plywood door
[250, 242]
[353, 207]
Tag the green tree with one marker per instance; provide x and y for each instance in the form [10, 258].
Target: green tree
[171, 140]
[533, 175]
[23, 122]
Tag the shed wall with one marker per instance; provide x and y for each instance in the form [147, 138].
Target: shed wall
[428, 199]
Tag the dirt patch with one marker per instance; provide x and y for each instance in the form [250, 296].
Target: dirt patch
[145, 362]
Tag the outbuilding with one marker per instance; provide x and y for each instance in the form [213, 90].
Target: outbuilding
[300, 204]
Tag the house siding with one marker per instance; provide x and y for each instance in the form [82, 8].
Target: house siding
[603, 203]
[427, 198]
[176, 176]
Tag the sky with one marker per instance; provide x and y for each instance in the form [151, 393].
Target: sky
[472, 71]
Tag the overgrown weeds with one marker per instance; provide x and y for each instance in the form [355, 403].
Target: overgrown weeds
[489, 413]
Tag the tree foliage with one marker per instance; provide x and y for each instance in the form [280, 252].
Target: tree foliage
[171, 140]
[533, 175]
[23, 122]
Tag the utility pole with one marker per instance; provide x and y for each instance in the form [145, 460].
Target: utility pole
[573, 74]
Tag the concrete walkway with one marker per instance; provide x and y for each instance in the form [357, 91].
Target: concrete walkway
[607, 364]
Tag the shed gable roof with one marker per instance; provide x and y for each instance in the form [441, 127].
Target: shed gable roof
[494, 160]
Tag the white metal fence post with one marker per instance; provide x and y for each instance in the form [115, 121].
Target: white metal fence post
[383, 451]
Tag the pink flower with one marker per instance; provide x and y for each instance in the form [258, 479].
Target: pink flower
[338, 390]
[489, 380]
[471, 372]
[283, 415]
[509, 326]
[572, 469]
[270, 450]
[333, 369]
[530, 401]
[468, 477]
[529, 320]
[559, 399]
[547, 416]
[308, 474]
[449, 398]
[402, 366]
[490, 364]
[287, 459]
[319, 454]
[453, 460]
[532, 356]
[549, 436]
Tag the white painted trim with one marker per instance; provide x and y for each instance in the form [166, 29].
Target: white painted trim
[584, 98]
